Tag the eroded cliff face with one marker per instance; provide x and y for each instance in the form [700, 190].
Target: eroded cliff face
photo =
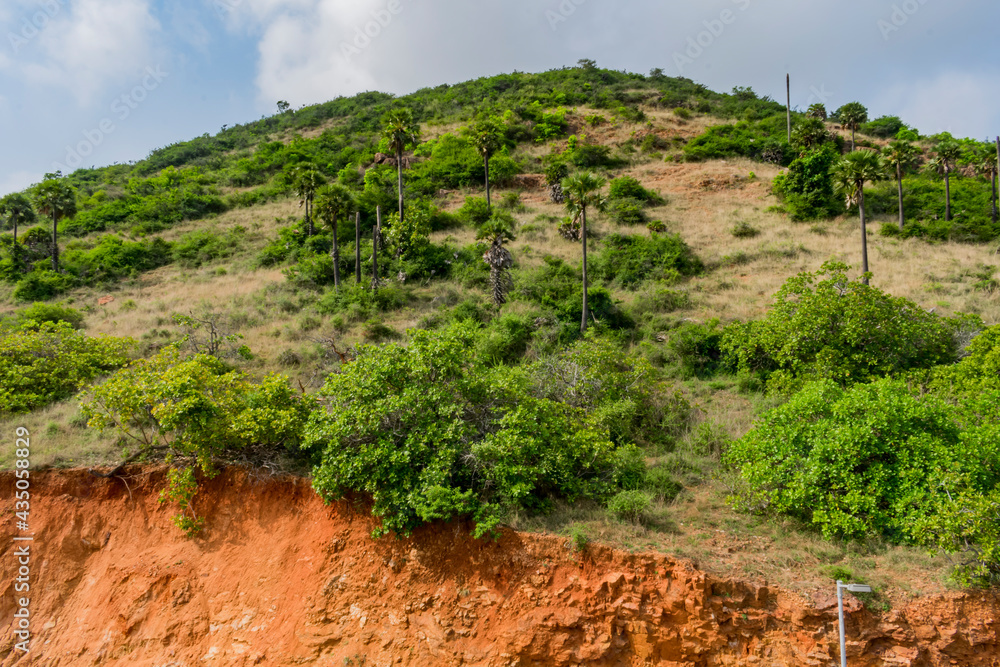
[279, 578]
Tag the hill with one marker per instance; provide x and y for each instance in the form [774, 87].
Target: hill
[204, 244]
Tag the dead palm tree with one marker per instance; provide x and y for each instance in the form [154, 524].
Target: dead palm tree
[899, 156]
[56, 199]
[401, 132]
[850, 175]
[582, 191]
[332, 203]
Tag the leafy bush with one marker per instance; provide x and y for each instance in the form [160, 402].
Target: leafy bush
[113, 258]
[696, 348]
[660, 482]
[975, 374]
[837, 329]
[627, 211]
[465, 439]
[630, 506]
[41, 286]
[619, 391]
[763, 141]
[744, 230]
[474, 211]
[49, 361]
[806, 189]
[924, 203]
[884, 127]
[51, 312]
[876, 460]
[205, 245]
[197, 412]
[629, 187]
[629, 260]
[505, 340]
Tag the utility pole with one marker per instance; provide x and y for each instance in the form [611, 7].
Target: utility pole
[788, 106]
[375, 234]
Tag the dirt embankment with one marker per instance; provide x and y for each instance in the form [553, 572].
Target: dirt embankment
[279, 579]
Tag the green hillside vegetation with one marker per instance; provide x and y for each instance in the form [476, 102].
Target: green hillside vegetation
[646, 329]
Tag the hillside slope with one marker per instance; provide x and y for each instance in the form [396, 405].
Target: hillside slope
[281, 579]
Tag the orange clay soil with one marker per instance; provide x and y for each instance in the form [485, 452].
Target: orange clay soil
[279, 579]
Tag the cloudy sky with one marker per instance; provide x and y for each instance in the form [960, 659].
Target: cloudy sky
[94, 82]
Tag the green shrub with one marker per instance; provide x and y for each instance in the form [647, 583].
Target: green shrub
[51, 312]
[630, 467]
[696, 348]
[205, 245]
[629, 187]
[363, 303]
[627, 212]
[41, 286]
[661, 483]
[977, 372]
[744, 230]
[876, 460]
[466, 439]
[474, 212]
[505, 340]
[763, 141]
[630, 506]
[806, 189]
[630, 260]
[45, 362]
[838, 329]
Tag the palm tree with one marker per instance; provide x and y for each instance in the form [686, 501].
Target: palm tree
[307, 181]
[984, 161]
[948, 152]
[900, 155]
[401, 131]
[850, 175]
[851, 116]
[581, 191]
[487, 137]
[810, 133]
[333, 201]
[56, 199]
[817, 110]
[497, 230]
[18, 210]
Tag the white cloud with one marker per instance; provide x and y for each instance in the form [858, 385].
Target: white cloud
[95, 43]
[962, 103]
[313, 50]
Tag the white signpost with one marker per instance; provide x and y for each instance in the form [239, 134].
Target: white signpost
[854, 588]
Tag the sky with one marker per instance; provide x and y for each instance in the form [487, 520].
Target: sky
[96, 82]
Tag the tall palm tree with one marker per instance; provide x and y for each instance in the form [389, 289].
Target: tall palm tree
[984, 161]
[17, 209]
[583, 191]
[332, 202]
[496, 231]
[851, 116]
[900, 155]
[487, 137]
[947, 154]
[401, 132]
[850, 175]
[56, 199]
[307, 181]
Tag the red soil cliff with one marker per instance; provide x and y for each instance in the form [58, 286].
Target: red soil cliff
[281, 579]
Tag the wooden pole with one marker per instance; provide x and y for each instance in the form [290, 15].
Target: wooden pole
[788, 106]
[357, 247]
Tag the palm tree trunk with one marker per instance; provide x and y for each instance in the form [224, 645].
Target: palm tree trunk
[55, 243]
[399, 179]
[357, 247]
[309, 223]
[899, 183]
[583, 234]
[947, 196]
[993, 184]
[335, 254]
[486, 159]
[852, 139]
[864, 234]
[375, 232]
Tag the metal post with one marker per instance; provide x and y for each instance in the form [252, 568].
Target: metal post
[840, 611]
